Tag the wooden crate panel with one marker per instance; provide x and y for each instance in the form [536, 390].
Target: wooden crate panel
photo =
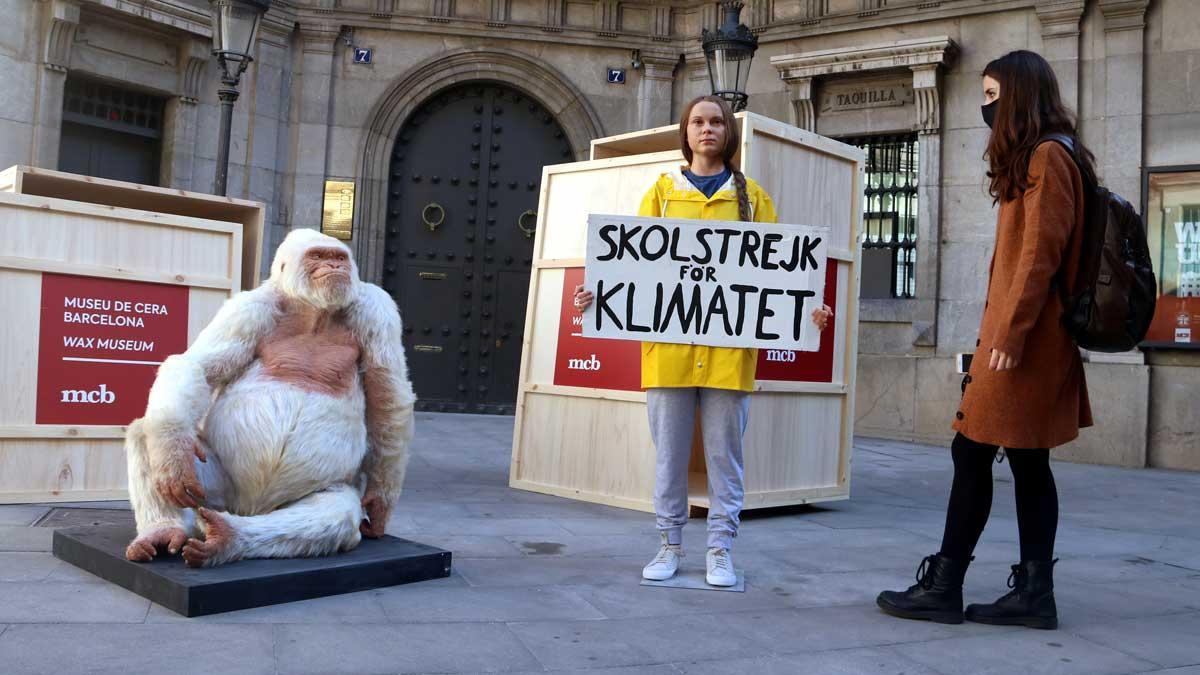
[615, 186]
[593, 449]
[149, 198]
[55, 231]
[69, 469]
[19, 344]
[790, 440]
[541, 332]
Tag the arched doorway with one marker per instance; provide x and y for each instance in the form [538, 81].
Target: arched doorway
[462, 211]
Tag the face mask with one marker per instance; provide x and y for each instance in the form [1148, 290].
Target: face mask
[989, 112]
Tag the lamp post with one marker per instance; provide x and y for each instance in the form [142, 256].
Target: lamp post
[235, 28]
[729, 51]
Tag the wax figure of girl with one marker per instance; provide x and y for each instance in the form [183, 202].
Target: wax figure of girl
[681, 378]
[1025, 389]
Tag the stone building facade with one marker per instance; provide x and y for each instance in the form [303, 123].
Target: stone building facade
[900, 76]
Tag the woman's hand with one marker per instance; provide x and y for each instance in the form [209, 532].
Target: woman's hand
[820, 317]
[583, 299]
[1001, 361]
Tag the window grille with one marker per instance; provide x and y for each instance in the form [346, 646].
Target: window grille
[103, 105]
[889, 214]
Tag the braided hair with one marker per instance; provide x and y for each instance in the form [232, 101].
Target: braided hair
[733, 141]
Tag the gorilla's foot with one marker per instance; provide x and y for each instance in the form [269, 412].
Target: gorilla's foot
[145, 547]
[218, 545]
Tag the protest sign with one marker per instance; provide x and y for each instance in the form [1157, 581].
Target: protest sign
[717, 283]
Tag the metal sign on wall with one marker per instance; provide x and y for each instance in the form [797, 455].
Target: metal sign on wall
[337, 217]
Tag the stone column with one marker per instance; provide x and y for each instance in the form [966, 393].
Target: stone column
[180, 122]
[804, 114]
[698, 83]
[62, 22]
[654, 91]
[1121, 163]
[1060, 43]
[927, 91]
[310, 140]
[1119, 160]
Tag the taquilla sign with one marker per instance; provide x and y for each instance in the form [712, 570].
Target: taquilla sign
[717, 283]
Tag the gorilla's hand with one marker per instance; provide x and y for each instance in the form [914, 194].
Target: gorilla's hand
[175, 472]
[378, 510]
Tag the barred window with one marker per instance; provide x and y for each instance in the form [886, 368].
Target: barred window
[889, 255]
[100, 104]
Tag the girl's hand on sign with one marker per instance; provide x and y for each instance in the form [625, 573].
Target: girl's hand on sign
[583, 299]
[821, 317]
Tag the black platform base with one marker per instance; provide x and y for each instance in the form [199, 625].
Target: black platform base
[248, 583]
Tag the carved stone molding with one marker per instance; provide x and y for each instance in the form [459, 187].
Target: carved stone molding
[608, 17]
[761, 12]
[556, 11]
[318, 38]
[901, 54]
[803, 113]
[922, 56]
[441, 10]
[658, 67]
[661, 28]
[697, 68]
[498, 13]
[1060, 18]
[814, 9]
[928, 97]
[193, 61]
[1124, 14]
[60, 35]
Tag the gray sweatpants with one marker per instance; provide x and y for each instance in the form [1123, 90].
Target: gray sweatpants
[723, 415]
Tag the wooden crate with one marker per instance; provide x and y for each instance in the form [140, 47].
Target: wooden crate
[108, 232]
[594, 444]
[29, 180]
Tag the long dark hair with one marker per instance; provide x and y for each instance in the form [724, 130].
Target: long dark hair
[1029, 108]
[733, 140]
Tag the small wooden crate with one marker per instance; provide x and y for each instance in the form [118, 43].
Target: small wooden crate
[54, 223]
[594, 444]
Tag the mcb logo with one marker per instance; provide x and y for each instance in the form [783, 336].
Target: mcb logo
[781, 355]
[592, 364]
[101, 395]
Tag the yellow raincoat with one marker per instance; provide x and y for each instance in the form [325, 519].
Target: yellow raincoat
[675, 365]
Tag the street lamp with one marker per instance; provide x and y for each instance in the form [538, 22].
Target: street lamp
[235, 27]
[729, 51]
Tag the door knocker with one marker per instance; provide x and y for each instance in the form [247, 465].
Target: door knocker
[429, 221]
[527, 230]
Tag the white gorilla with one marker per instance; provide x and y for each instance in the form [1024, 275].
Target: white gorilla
[285, 426]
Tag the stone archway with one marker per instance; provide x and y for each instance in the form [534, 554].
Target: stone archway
[555, 93]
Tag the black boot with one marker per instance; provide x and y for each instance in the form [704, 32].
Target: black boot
[1029, 603]
[937, 595]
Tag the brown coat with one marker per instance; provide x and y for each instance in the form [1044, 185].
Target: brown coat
[1043, 402]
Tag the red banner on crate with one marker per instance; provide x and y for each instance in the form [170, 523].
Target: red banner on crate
[795, 366]
[100, 344]
[592, 362]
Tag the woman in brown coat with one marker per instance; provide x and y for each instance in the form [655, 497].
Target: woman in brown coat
[1025, 389]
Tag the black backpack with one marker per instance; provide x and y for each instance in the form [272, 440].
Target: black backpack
[1115, 290]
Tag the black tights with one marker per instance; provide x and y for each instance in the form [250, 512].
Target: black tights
[971, 499]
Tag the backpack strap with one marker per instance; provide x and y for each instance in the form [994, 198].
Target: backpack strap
[1068, 143]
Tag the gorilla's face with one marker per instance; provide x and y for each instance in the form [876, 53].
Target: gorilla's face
[328, 275]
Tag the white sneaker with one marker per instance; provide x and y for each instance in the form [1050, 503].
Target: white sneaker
[665, 564]
[720, 568]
